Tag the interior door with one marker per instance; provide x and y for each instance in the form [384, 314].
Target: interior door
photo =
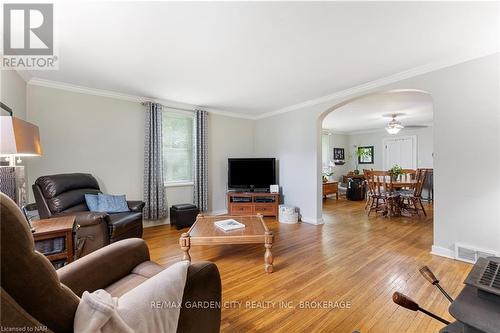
[406, 153]
[392, 154]
[401, 151]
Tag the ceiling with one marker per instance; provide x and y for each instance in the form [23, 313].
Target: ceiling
[371, 112]
[257, 57]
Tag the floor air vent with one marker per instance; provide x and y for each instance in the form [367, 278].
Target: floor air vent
[470, 254]
[485, 276]
[491, 275]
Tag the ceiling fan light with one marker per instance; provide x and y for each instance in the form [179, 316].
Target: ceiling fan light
[393, 127]
[392, 130]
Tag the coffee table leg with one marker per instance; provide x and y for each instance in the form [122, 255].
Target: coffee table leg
[268, 256]
[185, 244]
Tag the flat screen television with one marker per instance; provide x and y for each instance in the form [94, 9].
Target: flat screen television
[251, 173]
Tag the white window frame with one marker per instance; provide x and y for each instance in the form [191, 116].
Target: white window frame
[181, 183]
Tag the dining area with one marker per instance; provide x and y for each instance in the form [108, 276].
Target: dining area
[396, 192]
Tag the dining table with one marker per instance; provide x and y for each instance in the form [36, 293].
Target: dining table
[399, 184]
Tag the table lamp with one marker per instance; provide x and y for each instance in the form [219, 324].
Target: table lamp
[17, 138]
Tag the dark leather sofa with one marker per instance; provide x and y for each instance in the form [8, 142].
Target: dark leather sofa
[34, 295]
[64, 194]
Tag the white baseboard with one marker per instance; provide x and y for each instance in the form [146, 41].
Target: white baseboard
[312, 221]
[443, 252]
[219, 212]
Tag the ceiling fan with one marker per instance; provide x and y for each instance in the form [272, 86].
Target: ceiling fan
[394, 126]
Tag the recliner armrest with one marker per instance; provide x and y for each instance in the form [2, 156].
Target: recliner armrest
[135, 206]
[86, 218]
[105, 266]
[203, 284]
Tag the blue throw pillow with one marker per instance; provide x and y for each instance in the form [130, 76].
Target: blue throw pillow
[91, 200]
[112, 203]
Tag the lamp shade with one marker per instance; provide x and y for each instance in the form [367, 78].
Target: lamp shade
[19, 137]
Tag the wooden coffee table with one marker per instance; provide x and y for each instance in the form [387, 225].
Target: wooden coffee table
[204, 232]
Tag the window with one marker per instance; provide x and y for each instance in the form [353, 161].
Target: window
[178, 146]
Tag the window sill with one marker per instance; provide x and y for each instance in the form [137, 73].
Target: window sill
[179, 184]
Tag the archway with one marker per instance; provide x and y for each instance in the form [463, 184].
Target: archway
[415, 108]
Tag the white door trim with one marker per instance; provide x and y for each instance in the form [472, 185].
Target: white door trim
[414, 144]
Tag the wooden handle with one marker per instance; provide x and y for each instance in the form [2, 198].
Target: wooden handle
[405, 301]
[428, 275]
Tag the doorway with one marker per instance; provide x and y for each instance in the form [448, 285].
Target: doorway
[362, 123]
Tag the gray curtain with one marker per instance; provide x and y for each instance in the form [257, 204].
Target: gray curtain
[154, 189]
[201, 161]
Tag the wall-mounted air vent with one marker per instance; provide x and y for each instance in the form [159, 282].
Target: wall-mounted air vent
[471, 254]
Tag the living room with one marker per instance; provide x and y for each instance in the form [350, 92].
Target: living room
[154, 104]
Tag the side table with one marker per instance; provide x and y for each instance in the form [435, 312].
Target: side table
[54, 238]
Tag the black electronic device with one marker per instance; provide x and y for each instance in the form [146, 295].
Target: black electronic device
[251, 173]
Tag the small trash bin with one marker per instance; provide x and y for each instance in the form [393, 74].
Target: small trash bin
[288, 214]
[356, 190]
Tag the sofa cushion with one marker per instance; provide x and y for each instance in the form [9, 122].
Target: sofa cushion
[54, 185]
[140, 274]
[66, 200]
[92, 202]
[112, 203]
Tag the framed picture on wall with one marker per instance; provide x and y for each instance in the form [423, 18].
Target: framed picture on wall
[338, 154]
[365, 155]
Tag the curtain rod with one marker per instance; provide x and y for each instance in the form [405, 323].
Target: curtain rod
[170, 107]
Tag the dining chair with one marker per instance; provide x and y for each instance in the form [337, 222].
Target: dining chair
[382, 196]
[413, 201]
[408, 174]
[369, 198]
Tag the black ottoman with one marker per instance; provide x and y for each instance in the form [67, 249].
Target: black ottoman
[183, 215]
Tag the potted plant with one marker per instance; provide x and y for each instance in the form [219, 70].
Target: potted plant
[395, 171]
[326, 175]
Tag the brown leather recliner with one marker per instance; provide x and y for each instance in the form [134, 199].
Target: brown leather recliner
[64, 194]
[34, 295]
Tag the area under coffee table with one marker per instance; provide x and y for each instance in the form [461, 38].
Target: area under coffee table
[204, 232]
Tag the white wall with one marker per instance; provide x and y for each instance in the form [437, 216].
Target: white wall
[13, 93]
[86, 133]
[229, 137]
[425, 146]
[466, 137]
[105, 137]
[292, 138]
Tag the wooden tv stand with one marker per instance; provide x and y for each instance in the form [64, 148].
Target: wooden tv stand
[249, 203]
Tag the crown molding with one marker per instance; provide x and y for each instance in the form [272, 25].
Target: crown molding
[85, 90]
[131, 98]
[378, 83]
[230, 114]
[24, 75]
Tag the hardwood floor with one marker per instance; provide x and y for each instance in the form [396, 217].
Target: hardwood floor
[351, 258]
